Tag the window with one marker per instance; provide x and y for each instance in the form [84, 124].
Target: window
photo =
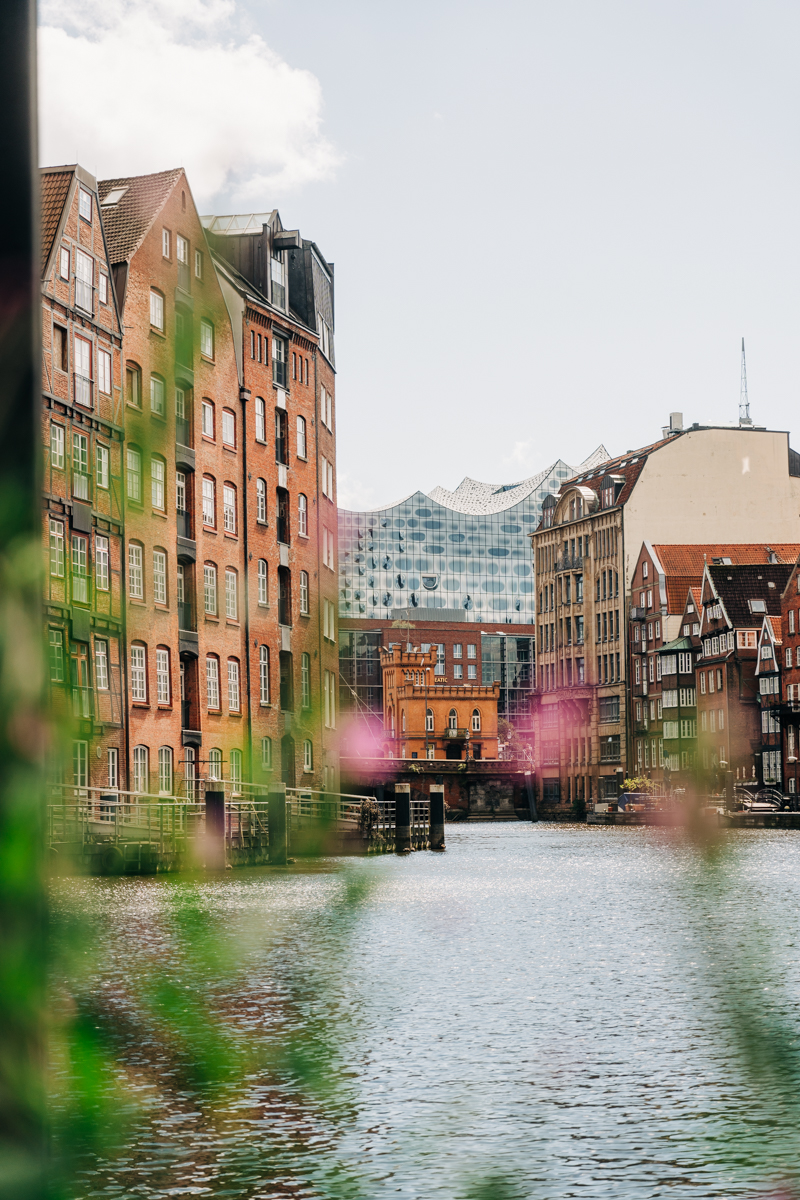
[206, 339]
[158, 470]
[281, 437]
[63, 263]
[157, 310]
[80, 569]
[101, 457]
[135, 571]
[159, 577]
[101, 665]
[229, 508]
[162, 675]
[278, 277]
[263, 674]
[133, 385]
[327, 478]
[458, 671]
[57, 446]
[327, 549]
[208, 419]
[56, 648]
[261, 424]
[182, 250]
[308, 755]
[141, 769]
[261, 501]
[83, 372]
[301, 437]
[472, 671]
[210, 588]
[610, 748]
[212, 682]
[157, 404]
[104, 369]
[228, 428]
[457, 648]
[84, 279]
[57, 549]
[302, 515]
[452, 720]
[165, 771]
[215, 763]
[166, 248]
[329, 620]
[329, 690]
[304, 593]
[266, 754]
[234, 699]
[231, 596]
[471, 651]
[439, 667]
[476, 721]
[263, 581]
[101, 563]
[788, 656]
[685, 663]
[236, 770]
[305, 681]
[209, 502]
[134, 475]
[279, 362]
[746, 638]
[80, 466]
[103, 287]
[138, 674]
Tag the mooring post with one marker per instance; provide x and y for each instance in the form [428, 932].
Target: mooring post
[436, 800]
[531, 797]
[215, 831]
[729, 791]
[402, 817]
[278, 829]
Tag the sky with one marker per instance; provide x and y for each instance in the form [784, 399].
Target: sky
[551, 223]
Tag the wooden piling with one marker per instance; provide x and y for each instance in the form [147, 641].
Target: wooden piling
[402, 817]
[436, 800]
[278, 826]
[215, 831]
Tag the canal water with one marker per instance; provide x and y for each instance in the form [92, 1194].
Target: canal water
[542, 1011]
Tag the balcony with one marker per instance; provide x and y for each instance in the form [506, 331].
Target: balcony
[455, 734]
[189, 736]
[186, 618]
[183, 431]
[569, 562]
[638, 614]
[184, 523]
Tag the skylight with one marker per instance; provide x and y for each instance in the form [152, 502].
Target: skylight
[757, 606]
[113, 197]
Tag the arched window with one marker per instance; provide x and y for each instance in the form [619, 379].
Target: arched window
[263, 581]
[209, 501]
[235, 769]
[403, 721]
[263, 673]
[210, 588]
[304, 609]
[215, 763]
[261, 501]
[159, 576]
[208, 418]
[139, 673]
[234, 692]
[212, 681]
[165, 771]
[391, 721]
[452, 719]
[231, 594]
[228, 429]
[476, 720]
[261, 424]
[157, 404]
[141, 769]
[157, 310]
[133, 475]
[163, 688]
[302, 515]
[305, 681]
[429, 721]
[266, 754]
[301, 437]
[135, 571]
[206, 339]
[189, 771]
[133, 384]
[308, 755]
[158, 475]
[229, 508]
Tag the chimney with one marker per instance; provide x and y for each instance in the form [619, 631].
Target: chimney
[675, 425]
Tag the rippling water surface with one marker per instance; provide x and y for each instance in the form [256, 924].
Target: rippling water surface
[542, 1011]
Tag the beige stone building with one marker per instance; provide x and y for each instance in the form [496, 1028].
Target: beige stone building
[701, 484]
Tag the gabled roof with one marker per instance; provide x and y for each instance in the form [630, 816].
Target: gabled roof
[55, 187]
[127, 222]
[681, 643]
[682, 564]
[734, 587]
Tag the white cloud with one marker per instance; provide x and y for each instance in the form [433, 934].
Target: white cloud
[133, 86]
[352, 494]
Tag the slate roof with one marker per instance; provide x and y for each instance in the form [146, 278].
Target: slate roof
[126, 223]
[683, 564]
[55, 187]
[736, 585]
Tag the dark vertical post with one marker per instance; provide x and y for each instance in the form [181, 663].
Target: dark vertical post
[729, 791]
[22, 712]
[402, 817]
[215, 831]
[278, 832]
[531, 796]
[437, 816]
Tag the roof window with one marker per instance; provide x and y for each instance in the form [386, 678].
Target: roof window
[757, 606]
[113, 197]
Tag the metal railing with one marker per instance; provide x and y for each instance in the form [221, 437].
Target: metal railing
[569, 562]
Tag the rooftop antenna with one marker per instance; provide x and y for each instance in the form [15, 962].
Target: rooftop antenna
[744, 403]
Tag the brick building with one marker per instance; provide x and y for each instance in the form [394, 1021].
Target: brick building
[429, 719]
[790, 681]
[745, 483]
[83, 509]
[664, 617]
[279, 291]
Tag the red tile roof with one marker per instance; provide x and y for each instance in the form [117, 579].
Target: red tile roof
[55, 187]
[683, 564]
[126, 223]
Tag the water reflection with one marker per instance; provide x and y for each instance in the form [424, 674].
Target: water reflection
[541, 1012]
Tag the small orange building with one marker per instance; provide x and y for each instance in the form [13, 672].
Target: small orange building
[426, 717]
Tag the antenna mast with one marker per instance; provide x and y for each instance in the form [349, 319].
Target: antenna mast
[744, 403]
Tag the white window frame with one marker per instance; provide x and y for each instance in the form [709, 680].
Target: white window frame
[163, 689]
[308, 754]
[138, 673]
[228, 429]
[210, 599]
[135, 571]
[101, 563]
[231, 594]
[261, 420]
[263, 582]
[301, 438]
[104, 369]
[304, 609]
[141, 770]
[158, 476]
[234, 691]
[212, 683]
[209, 502]
[57, 445]
[165, 771]
[228, 508]
[207, 410]
[159, 577]
[101, 664]
[302, 515]
[102, 460]
[156, 310]
[263, 674]
[261, 501]
[207, 339]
